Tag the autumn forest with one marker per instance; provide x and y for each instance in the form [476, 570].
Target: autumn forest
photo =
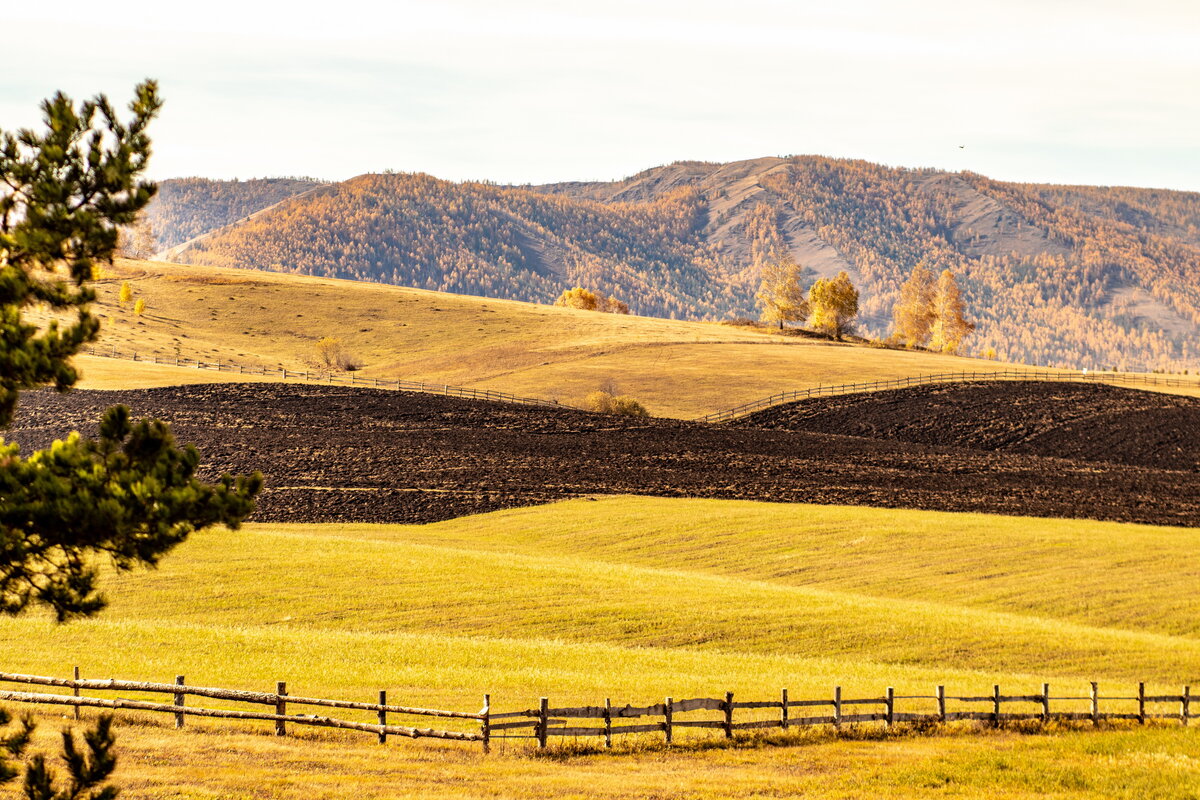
[1058, 276]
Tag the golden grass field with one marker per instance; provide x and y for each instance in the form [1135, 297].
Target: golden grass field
[636, 599]
[677, 369]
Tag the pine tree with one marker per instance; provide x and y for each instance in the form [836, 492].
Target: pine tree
[87, 772]
[834, 303]
[950, 327]
[913, 315]
[131, 494]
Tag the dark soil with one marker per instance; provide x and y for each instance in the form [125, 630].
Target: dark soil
[350, 454]
[1083, 422]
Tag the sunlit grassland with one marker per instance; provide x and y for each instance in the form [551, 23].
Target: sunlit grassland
[641, 598]
[682, 369]
[210, 761]
[705, 578]
[1107, 574]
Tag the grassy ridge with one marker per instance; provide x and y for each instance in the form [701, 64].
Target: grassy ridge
[677, 368]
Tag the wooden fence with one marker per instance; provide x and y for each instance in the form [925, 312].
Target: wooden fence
[543, 722]
[317, 376]
[746, 409]
[278, 701]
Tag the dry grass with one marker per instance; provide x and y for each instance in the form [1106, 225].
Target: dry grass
[681, 369]
[208, 762]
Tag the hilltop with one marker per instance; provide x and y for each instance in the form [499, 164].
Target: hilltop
[1067, 276]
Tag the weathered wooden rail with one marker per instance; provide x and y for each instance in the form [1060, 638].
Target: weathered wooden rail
[278, 701]
[543, 722]
[318, 376]
[745, 409]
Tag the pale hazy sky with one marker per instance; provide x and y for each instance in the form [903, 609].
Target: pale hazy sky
[532, 90]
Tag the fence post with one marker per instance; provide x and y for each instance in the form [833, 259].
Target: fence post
[941, 701]
[996, 706]
[179, 702]
[729, 715]
[1142, 703]
[382, 716]
[608, 722]
[668, 719]
[485, 725]
[891, 706]
[1045, 703]
[783, 716]
[76, 691]
[837, 707]
[1185, 704]
[280, 707]
[1095, 703]
[543, 721]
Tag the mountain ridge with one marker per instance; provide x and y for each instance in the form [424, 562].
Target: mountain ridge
[1055, 275]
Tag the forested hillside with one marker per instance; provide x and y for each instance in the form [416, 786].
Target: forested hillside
[185, 208]
[1061, 276]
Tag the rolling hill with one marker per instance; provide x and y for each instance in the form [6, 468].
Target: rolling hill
[696, 597]
[677, 368]
[1066, 276]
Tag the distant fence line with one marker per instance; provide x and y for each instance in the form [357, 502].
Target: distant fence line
[541, 723]
[942, 377]
[317, 376]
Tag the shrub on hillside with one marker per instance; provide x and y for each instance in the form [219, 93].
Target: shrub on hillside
[330, 353]
[587, 300]
[605, 403]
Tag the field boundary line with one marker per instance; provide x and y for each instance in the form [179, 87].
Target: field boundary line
[324, 377]
[831, 390]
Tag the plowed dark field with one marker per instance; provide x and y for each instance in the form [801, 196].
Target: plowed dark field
[345, 454]
[1085, 422]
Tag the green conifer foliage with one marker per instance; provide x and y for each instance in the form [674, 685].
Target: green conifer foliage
[131, 494]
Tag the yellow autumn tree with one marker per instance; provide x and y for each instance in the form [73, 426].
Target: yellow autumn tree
[834, 304]
[126, 293]
[913, 314]
[140, 306]
[780, 295]
[950, 327]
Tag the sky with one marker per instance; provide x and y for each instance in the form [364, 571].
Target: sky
[533, 91]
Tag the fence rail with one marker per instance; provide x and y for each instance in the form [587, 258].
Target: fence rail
[830, 390]
[606, 721]
[318, 376]
[278, 701]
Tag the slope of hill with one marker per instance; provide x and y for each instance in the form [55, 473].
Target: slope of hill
[185, 208]
[676, 368]
[1065, 276]
[696, 598]
[1081, 422]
